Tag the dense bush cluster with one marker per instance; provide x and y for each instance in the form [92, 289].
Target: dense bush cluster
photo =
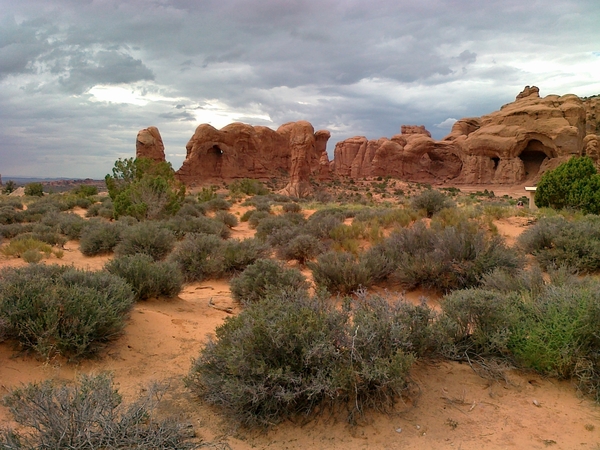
[287, 354]
[147, 277]
[201, 256]
[574, 184]
[89, 414]
[265, 277]
[555, 241]
[550, 327]
[54, 309]
[144, 189]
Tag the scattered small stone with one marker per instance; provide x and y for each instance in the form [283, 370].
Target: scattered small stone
[398, 430]
[418, 427]
[536, 403]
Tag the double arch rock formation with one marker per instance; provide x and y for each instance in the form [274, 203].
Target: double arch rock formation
[514, 145]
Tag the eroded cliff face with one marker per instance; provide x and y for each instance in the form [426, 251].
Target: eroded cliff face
[243, 151]
[514, 145]
[412, 155]
[511, 146]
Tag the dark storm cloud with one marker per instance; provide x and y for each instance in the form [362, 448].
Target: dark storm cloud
[355, 67]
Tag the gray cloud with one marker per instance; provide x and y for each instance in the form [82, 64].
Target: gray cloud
[355, 67]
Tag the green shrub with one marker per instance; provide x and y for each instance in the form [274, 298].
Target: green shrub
[248, 186]
[301, 247]
[99, 237]
[148, 238]
[67, 224]
[340, 272]
[291, 207]
[239, 254]
[269, 225]
[199, 256]
[555, 241]
[431, 201]
[207, 193]
[446, 259]
[147, 277]
[551, 327]
[34, 189]
[9, 186]
[216, 204]
[182, 225]
[287, 355]
[53, 309]
[144, 189]
[557, 188]
[256, 217]
[264, 277]
[88, 414]
[32, 256]
[85, 190]
[25, 244]
[227, 218]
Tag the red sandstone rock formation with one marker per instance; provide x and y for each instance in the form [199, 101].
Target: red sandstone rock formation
[412, 155]
[149, 144]
[243, 151]
[513, 145]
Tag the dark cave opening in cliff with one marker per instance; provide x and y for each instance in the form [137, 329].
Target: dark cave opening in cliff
[496, 162]
[215, 159]
[533, 156]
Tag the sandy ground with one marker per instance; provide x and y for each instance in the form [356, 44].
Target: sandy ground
[452, 407]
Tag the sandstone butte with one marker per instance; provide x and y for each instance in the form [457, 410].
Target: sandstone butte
[514, 145]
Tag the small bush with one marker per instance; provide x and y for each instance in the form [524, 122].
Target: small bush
[148, 238]
[85, 190]
[199, 256]
[264, 277]
[288, 354]
[9, 186]
[99, 237]
[227, 218]
[431, 201]
[87, 415]
[291, 207]
[216, 204]
[34, 189]
[239, 254]
[53, 309]
[340, 272]
[147, 277]
[22, 245]
[256, 217]
[207, 193]
[182, 225]
[269, 225]
[555, 241]
[301, 247]
[446, 259]
[248, 186]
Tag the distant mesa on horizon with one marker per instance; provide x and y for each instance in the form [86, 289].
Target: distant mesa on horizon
[513, 145]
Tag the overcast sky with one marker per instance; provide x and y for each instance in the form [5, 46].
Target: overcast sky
[79, 78]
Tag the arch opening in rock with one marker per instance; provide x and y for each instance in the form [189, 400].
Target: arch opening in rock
[215, 160]
[533, 156]
[496, 161]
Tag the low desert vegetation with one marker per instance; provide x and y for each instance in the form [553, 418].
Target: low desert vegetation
[291, 352]
[265, 277]
[60, 310]
[147, 277]
[87, 414]
[288, 353]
